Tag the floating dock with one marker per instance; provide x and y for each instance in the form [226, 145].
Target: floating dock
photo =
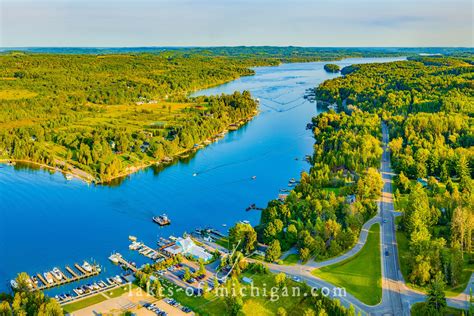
[75, 276]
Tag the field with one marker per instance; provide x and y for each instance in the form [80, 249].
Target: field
[361, 274]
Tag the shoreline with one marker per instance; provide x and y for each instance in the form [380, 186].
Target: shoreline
[89, 178]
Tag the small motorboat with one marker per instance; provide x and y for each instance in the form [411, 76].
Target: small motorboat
[254, 177]
[195, 174]
[49, 277]
[57, 274]
[13, 284]
[86, 266]
[132, 238]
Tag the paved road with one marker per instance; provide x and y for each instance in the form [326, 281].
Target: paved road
[397, 298]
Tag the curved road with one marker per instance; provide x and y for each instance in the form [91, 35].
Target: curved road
[397, 298]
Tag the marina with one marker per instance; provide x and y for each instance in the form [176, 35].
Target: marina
[105, 216]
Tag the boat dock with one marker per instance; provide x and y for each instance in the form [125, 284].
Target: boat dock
[117, 258]
[146, 251]
[74, 276]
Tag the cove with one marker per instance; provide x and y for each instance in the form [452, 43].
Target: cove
[47, 221]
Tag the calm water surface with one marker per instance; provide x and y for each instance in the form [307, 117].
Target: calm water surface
[46, 221]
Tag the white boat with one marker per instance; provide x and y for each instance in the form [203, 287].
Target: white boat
[118, 279]
[57, 274]
[86, 266]
[245, 222]
[132, 238]
[13, 284]
[69, 177]
[114, 258]
[49, 277]
[134, 245]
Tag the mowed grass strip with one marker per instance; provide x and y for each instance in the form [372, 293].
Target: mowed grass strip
[72, 307]
[361, 274]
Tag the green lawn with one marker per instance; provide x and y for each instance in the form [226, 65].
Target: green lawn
[224, 242]
[291, 259]
[68, 308]
[361, 274]
[210, 304]
[72, 307]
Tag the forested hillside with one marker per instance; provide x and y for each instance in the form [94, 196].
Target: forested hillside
[323, 214]
[429, 106]
[103, 116]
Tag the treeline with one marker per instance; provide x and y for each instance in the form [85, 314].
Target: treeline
[323, 214]
[404, 87]
[428, 104]
[25, 302]
[104, 114]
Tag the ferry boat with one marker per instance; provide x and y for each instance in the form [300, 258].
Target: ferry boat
[86, 266]
[162, 220]
[57, 274]
[49, 277]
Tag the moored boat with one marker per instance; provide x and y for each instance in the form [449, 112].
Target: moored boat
[86, 266]
[57, 274]
[49, 277]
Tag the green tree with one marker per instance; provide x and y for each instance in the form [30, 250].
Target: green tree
[187, 274]
[273, 252]
[244, 236]
[5, 309]
[280, 279]
[436, 299]
[304, 254]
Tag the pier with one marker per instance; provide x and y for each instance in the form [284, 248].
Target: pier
[64, 278]
[146, 251]
[117, 258]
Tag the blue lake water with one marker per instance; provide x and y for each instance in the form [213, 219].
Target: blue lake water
[46, 221]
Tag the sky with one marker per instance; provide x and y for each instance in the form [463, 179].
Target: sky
[120, 23]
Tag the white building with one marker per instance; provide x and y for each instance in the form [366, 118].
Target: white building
[187, 247]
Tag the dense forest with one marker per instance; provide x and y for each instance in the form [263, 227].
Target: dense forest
[105, 115]
[332, 68]
[323, 214]
[428, 104]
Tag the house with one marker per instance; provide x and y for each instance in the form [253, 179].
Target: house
[422, 181]
[144, 147]
[247, 280]
[350, 199]
[187, 247]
